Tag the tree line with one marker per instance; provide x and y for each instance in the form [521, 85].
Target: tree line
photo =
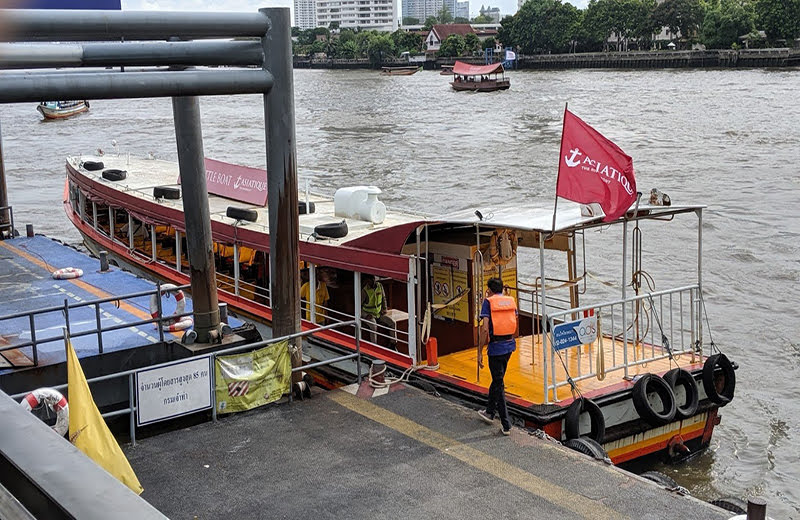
[553, 26]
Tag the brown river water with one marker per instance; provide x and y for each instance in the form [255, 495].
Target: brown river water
[725, 138]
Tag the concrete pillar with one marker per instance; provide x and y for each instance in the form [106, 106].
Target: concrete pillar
[189, 136]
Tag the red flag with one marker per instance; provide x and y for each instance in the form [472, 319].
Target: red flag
[593, 169]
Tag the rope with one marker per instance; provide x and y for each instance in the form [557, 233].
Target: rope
[664, 339]
[391, 380]
[573, 388]
[708, 326]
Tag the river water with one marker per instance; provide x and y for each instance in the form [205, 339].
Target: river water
[725, 138]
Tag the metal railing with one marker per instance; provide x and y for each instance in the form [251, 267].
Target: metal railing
[10, 223]
[131, 374]
[632, 331]
[99, 330]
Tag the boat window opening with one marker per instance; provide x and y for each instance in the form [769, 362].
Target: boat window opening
[103, 219]
[141, 238]
[86, 209]
[165, 244]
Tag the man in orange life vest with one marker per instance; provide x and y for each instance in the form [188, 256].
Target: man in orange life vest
[499, 313]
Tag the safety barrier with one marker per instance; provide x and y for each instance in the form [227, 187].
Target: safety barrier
[9, 221]
[639, 329]
[131, 374]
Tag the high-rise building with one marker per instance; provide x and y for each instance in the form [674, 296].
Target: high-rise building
[422, 9]
[305, 14]
[462, 9]
[377, 15]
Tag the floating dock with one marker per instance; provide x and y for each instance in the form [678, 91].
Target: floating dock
[400, 453]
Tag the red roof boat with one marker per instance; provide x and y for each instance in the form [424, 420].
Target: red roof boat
[479, 78]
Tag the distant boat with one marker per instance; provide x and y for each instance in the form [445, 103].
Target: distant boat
[400, 71]
[479, 78]
[62, 109]
[447, 70]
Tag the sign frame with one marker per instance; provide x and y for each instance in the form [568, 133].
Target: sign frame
[565, 335]
[208, 365]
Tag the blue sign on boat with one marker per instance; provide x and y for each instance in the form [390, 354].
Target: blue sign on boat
[574, 333]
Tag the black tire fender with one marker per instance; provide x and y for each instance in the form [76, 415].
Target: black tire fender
[587, 446]
[660, 479]
[572, 419]
[724, 396]
[304, 208]
[333, 230]
[678, 376]
[93, 165]
[115, 175]
[732, 504]
[166, 192]
[651, 383]
[235, 213]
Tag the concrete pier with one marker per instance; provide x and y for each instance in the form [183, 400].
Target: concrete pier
[403, 454]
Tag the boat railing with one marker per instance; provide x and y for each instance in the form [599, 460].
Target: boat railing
[630, 332]
[7, 222]
[131, 409]
[79, 314]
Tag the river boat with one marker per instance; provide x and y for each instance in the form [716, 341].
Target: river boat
[479, 78]
[62, 109]
[447, 70]
[594, 367]
[400, 71]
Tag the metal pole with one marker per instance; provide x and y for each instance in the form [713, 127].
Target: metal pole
[3, 190]
[312, 293]
[624, 307]
[132, 407]
[160, 310]
[33, 340]
[699, 303]
[191, 162]
[99, 328]
[282, 179]
[543, 325]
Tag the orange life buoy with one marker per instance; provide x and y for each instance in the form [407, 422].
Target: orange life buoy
[178, 323]
[55, 401]
[67, 273]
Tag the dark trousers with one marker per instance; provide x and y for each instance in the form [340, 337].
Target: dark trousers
[497, 390]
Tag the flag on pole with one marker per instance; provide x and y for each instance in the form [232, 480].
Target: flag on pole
[593, 169]
[88, 430]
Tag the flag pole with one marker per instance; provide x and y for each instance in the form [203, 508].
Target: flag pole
[558, 171]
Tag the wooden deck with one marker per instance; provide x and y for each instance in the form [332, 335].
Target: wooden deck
[524, 375]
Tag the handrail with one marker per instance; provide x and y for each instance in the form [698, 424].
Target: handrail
[213, 355]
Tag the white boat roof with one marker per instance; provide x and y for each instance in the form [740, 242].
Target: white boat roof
[144, 174]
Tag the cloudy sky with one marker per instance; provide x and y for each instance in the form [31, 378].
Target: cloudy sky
[506, 6]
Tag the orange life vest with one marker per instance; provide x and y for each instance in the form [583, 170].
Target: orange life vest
[504, 315]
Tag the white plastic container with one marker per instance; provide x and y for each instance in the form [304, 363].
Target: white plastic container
[360, 202]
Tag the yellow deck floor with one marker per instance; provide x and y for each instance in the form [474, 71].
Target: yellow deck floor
[524, 374]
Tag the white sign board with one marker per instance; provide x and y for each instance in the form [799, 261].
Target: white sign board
[173, 390]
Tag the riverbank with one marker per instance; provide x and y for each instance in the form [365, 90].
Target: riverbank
[782, 57]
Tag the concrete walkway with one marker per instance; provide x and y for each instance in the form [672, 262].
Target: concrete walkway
[403, 454]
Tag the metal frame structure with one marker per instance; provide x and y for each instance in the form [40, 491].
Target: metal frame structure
[167, 59]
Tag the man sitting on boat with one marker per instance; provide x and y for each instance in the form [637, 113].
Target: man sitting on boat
[373, 310]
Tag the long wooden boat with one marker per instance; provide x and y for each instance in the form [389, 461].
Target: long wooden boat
[589, 364]
[479, 78]
[400, 71]
[62, 109]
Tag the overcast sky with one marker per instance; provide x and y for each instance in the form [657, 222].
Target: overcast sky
[506, 6]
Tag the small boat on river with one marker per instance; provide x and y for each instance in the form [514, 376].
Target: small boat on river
[447, 70]
[479, 78]
[62, 109]
[627, 370]
[400, 71]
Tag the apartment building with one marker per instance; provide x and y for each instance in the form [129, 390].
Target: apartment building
[305, 14]
[377, 15]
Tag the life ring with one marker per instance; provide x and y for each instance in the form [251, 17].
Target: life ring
[678, 376]
[67, 273]
[176, 324]
[55, 401]
[502, 246]
[651, 383]
[725, 395]
[596, 418]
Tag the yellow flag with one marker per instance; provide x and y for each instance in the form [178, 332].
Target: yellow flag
[88, 430]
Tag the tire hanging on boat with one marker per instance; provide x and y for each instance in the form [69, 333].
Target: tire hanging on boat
[651, 383]
[93, 165]
[166, 192]
[660, 479]
[304, 208]
[587, 446]
[596, 418]
[55, 401]
[114, 174]
[678, 376]
[333, 230]
[235, 213]
[725, 395]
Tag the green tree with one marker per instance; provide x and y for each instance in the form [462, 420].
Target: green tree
[471, 42]
[489, 43]
[542, 26]
[349, 50]
[408, 20]
[780, 19]
[724, 23]
[460, 19]
[380, 47]
[684, 16]
[453, 46]
[444, 16]
[430, 22]
[482, 19]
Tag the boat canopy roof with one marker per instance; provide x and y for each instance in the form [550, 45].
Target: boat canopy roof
[465, 69]
[569, 216]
